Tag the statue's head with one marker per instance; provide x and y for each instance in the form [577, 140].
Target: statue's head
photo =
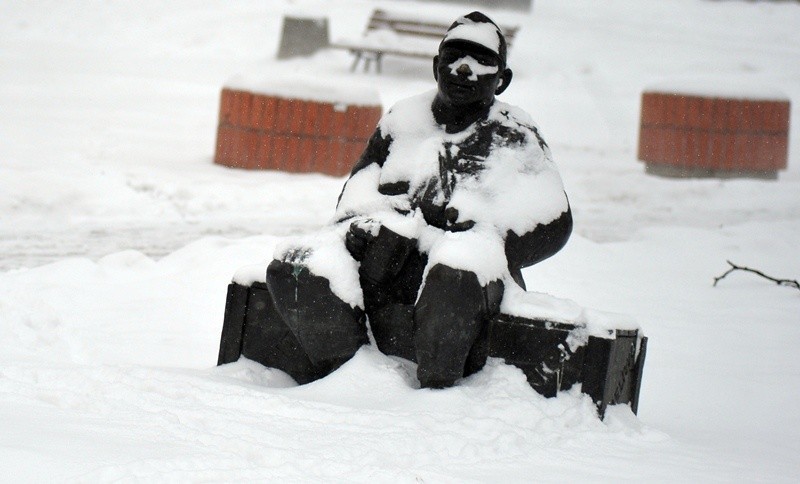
[471, 66]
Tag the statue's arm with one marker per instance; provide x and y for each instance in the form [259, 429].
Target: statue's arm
[536, 245]
[360, 195]
[376, 152]
[540, 243]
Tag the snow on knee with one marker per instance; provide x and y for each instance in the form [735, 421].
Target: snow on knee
[480, 250]
[325, 255]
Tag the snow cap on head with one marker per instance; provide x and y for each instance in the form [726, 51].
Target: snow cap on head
[478, 29]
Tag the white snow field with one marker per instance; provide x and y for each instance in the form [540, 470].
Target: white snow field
[119, 235]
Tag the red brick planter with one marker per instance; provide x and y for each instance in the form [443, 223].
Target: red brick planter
[268, 131]
[692, 135]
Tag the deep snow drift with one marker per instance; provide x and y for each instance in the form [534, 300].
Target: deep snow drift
[119, 236]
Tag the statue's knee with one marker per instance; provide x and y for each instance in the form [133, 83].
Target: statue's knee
[280, 272]
[458, 290]
[328, 329]
[444, 274]
[451, 285]
[450, 317]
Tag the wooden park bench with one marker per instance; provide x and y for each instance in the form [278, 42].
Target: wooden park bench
[401, 35]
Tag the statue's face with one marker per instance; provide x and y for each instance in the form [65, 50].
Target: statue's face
[467, 74]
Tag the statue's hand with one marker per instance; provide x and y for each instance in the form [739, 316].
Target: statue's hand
[358, 237]
[451, 220]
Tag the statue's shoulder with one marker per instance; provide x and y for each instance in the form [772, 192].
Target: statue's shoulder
[411, 114]
[516, 122]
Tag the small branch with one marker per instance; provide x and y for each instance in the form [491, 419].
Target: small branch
[780, 282]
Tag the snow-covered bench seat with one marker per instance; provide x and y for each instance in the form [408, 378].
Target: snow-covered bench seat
[555, 342]
[403, 35]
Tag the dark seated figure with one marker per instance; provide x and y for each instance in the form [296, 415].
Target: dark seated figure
[455, 193]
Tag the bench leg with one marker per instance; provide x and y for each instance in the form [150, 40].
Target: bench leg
[637, 375]
[357, 55]
[230, 345]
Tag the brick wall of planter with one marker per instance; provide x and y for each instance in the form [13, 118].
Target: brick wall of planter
[692, 135]
[259, 131]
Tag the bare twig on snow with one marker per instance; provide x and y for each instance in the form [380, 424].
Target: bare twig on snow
[780, 282]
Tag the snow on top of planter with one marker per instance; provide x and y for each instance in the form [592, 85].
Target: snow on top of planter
[304, 87]
[534, 305]
[719, 88]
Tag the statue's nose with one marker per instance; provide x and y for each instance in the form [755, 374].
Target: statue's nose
[464, 70]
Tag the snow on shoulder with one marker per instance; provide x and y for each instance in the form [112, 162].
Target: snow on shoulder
[305, 87]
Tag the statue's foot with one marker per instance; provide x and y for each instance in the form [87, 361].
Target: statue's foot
[436, 383]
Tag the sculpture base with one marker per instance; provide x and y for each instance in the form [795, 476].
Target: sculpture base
[554, 356]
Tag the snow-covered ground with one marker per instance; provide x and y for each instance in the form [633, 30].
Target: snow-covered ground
[118, 236]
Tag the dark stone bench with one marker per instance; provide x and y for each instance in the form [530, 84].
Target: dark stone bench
[554, 355]
[609, 367]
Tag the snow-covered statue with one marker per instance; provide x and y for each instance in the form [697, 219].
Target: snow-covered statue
[455, 193]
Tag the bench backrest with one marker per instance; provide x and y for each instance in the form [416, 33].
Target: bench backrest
[419, 27]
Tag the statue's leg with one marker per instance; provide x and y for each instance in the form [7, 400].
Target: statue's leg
[390, 276]
[390, 307]
[269, 341]
[327, 329]
[476, 359]
[450, 318]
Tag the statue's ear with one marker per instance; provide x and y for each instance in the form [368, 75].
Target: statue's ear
[505, 81]
[436, 68]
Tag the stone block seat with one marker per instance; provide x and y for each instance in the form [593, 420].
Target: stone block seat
[555, 342]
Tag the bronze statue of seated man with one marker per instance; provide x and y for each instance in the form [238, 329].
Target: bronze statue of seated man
[455, 193]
